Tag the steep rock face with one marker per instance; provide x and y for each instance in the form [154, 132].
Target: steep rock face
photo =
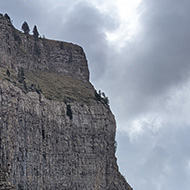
[18, 50]
[58, 142]
[44, 148]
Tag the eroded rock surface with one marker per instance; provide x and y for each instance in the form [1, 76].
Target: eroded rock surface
[19, 50]
[53, 143]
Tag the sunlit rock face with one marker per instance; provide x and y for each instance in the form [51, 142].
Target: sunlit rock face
[56, 132]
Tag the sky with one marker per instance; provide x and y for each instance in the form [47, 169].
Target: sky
[138, 53]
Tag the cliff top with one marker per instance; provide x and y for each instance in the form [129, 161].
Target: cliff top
[35, 53]
[57, 69]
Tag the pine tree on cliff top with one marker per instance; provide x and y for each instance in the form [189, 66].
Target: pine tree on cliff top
[25, 27]
[35, 32]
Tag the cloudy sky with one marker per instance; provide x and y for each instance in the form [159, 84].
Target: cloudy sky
[139, 55]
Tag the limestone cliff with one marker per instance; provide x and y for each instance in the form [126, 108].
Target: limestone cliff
[56, 132]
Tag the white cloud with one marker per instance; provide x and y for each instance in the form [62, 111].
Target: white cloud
[128, 16]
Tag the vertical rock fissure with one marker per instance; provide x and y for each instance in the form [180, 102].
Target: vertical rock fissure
[54, 133]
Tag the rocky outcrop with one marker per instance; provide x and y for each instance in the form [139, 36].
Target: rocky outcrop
[50, 141]
[18, 50]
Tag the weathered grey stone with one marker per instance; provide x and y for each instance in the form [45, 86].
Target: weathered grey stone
[50, 144]
[4, 183]
[22, 50]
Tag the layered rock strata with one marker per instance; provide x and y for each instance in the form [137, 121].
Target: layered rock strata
[18, 50]
[51, 141]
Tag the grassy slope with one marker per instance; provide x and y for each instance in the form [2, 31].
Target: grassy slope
[53, 86]
[61, 87]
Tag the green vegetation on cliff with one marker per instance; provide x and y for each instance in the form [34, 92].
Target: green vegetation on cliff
[61, 87]
[53, 86]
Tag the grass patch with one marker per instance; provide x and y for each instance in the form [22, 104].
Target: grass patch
[53, 86]
[61, 87]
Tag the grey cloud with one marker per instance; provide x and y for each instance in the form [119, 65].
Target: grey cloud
[20, 11]
[158, 61]
[47, 15]
[86, 26]
[163, 57]
[160, 160]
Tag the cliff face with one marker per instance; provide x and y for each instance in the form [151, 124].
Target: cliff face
[55, 131]
[18, 50]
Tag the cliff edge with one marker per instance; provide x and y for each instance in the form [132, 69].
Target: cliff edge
[56, 132]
